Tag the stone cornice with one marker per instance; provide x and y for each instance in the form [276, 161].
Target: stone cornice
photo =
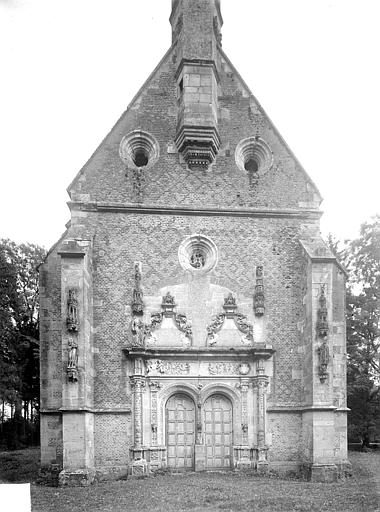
[260, 351]
[86, 409]
[303, 408]
[191, 211]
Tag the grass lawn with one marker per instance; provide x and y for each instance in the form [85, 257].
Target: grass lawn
[210, 492]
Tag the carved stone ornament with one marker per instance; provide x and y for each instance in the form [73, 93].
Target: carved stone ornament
[168, 367]
[137, 300]
[138, 333]
[241, 322]
[223, 369]
[230, 306]
[322, 333]
[197, 259]
[143, 332]
[217, 31]
[322, 323]
[184, 325]
[324, 357]
[244, 326]
[72, 311]
[258, 299]
[72, 362]
[168, 305]
[214, 327]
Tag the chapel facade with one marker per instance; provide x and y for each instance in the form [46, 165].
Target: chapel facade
[191, 315]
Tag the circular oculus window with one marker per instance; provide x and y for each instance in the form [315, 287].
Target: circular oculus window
[254, 155]
[139, 149]
[198, 253]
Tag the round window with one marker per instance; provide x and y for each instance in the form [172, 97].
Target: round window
[198, 253]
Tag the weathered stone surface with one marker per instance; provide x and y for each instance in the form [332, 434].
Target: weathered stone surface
[136, 384]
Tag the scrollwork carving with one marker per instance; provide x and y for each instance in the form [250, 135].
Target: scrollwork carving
[184, 325]
[244, 326]
[214, 327]
[168, 367]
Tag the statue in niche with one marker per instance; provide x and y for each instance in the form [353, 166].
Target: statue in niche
[322, 323]
[72, 312]
[72, 363]
[138, 333]
[137, 300]
[324, 357]
[197, 260]
[258, 299]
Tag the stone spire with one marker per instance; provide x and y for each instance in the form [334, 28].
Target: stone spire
[196, 36]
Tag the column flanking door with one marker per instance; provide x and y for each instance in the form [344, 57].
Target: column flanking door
[218, 432]
[180, 432]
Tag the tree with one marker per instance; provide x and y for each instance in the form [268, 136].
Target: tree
[363, 329]
[19, 307]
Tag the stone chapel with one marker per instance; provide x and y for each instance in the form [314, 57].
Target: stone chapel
[191, 315]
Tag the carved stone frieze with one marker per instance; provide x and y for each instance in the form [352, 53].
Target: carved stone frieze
[224, 368]
[168, 367]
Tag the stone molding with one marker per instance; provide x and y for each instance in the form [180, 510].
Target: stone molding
[212, 212]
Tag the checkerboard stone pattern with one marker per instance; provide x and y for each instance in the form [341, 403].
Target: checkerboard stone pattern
[186, 124]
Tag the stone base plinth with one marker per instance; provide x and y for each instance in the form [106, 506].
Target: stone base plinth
[262, 467]
[139, 467]
[323, 473]
[76, 478]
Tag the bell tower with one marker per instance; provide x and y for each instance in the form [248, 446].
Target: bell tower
[196, 35]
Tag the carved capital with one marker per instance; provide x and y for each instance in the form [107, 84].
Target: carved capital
[137, 384]
[155, 386]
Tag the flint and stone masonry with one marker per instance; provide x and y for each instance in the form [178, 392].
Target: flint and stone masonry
[191, 314]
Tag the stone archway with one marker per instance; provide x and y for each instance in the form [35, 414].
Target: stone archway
[218, 429]
[180, 432]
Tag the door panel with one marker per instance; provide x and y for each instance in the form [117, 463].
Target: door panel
[180, 432]
[218, 432]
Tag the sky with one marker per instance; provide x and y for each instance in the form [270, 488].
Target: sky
[69, 68]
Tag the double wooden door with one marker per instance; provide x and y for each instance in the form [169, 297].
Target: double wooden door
[181, 428]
